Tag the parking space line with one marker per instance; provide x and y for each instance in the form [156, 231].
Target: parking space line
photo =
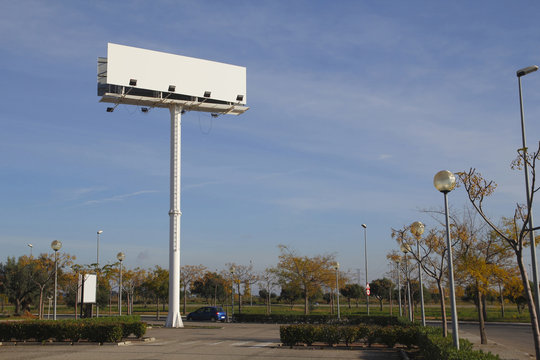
[261, 345]
[240, 343]
[216, 343]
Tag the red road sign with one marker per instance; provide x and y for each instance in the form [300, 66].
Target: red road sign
[368, 292]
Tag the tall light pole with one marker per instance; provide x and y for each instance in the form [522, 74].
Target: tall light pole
[30, 246]
[120, 256]
[99, 232]
[365, 261]
[417, 229]
[232, 293]
[337, 290]
[520, 73]
[405, 248]
[445, 181]
[399, 285]
[55, 245]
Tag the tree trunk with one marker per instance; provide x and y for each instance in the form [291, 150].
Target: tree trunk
[239, 299]
[349, 300]
[157, 309]
[443, 308]
[501, 299]
[17, 306]
[480, 308]
[40, 311]
[185, 301]
[306, 302]
[530, 303]
[380, 304]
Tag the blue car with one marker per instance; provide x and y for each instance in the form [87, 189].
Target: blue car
[212, 313]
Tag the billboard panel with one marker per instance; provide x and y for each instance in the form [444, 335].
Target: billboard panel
[88, 288]
[157, 71]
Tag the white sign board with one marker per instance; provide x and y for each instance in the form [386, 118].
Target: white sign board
[158, 71]
[88, 288]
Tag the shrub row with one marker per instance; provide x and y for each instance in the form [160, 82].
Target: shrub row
[96, 330]
[319, 319]
[432, 345]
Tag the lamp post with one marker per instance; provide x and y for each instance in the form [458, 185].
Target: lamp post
[405, 248]
[337, 290]
[417, 229]
[520, 73]
[99, 232]
[30, 246]
[445, 181]
[399, 285]
[365, 261]
[120, 256]
[55, 245]
[232, 293]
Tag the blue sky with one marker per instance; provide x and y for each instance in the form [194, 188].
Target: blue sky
[354, 106]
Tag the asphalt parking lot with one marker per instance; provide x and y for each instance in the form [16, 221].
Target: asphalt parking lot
[196, 341]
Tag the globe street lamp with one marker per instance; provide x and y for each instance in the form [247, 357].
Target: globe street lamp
[405, 248]
[365, 261]
[120, 256]
[30, 246]
[520, 73]
[336, 267]
[55, 245]
[417, 229]
[445, 182]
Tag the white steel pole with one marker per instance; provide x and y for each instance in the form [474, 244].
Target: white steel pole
[399, 287]
[420, 283]
[55, 282]
[174, 320]
[120, 292]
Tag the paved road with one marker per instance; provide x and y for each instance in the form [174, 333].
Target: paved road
[510, 341]
[228, 342]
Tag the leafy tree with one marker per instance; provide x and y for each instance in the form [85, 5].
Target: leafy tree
[210, 286]
[17, 284]
[289, 294]
[352, 291]
[43, 270]
[308, 274]
[380, 288]
[157, 282]
[514, 291]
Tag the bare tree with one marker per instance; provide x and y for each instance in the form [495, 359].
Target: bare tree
[478, 189]
[188, 274]
[268, 280]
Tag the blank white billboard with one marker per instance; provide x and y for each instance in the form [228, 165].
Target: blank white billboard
[88, 288]
[157, 71]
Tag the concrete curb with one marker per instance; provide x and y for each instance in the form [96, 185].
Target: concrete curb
[71, 343]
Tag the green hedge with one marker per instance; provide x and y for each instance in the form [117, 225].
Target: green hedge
[100, 330]
[319, 319]
[432, 345]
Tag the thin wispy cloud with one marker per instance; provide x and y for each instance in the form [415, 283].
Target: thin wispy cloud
[121, 197]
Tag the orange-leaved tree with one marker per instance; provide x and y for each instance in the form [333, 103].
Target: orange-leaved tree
[307, 273]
